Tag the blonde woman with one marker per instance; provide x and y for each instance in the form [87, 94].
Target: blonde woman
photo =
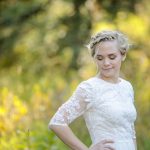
[105, 100]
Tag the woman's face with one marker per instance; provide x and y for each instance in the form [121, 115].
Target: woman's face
[108, 59]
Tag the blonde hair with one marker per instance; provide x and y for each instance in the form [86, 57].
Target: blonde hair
[107, 35]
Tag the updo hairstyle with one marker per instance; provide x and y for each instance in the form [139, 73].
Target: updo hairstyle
[103, 36]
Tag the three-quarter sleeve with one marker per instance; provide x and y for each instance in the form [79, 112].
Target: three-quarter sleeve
[75, 106]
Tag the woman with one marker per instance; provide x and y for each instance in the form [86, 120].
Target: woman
[106, 100]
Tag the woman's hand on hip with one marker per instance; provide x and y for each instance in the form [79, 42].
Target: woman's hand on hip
[103, 145]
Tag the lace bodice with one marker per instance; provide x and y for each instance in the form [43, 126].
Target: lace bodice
[108, 109]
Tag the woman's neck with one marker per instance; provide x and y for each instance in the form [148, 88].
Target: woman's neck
[109, 79]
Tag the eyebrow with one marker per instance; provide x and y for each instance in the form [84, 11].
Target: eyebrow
[108, 54]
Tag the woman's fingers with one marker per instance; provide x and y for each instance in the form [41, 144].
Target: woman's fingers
[103, 145]
[107, 141]
[108, 147]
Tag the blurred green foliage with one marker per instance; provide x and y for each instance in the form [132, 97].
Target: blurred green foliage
[43, 58]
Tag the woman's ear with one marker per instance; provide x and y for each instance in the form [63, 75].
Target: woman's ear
[123, 57]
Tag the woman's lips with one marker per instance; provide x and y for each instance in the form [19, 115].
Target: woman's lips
[106, 68]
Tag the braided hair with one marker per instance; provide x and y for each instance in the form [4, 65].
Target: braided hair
[103, 36]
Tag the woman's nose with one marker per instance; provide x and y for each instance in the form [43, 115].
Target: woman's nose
[106, 62]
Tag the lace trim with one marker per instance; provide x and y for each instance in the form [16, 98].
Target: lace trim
[77, 104]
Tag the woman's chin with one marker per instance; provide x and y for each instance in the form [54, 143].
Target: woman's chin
[108, 75]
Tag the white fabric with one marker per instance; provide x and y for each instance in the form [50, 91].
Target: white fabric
[108, 110]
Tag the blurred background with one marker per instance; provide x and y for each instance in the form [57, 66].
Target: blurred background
[43, 58]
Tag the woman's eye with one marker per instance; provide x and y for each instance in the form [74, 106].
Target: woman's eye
[112, 57]
[99, 58]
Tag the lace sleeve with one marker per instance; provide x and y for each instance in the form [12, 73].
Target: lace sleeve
[76, 105]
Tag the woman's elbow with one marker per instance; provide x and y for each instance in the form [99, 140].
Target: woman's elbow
[51, 126]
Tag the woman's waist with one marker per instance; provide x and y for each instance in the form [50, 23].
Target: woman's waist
[123, 143]
[116, 139]
[121, 135]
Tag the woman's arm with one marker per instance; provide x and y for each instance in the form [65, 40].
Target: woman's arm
[76, 106]
[68, 137]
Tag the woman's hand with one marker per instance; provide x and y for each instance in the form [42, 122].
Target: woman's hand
[103, 145]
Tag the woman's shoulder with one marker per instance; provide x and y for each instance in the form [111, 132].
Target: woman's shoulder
[85, 89]
[126, 82]
[88, 82]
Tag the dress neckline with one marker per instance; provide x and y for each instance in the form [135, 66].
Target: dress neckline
[110, 83]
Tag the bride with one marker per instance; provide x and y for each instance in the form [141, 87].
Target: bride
[105, 100]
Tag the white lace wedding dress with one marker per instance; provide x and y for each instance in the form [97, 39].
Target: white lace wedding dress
[108, 110]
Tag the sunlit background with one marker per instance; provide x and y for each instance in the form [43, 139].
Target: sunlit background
[43, 58]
